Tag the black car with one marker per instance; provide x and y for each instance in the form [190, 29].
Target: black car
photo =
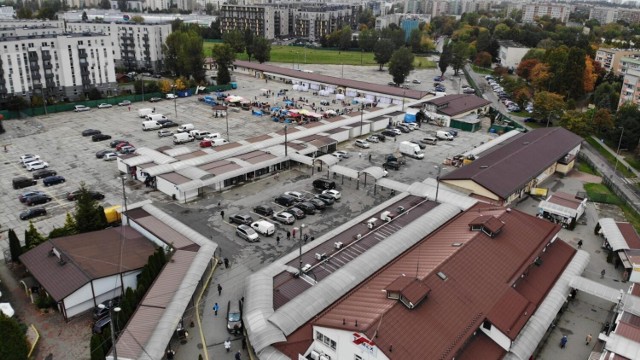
[100, 154]
[323, 184]
[263, 210]
[95, 195]
[389, 133]
[37, 200]
[381, 137]
[241, 219]
[41, 174]
[100, 137]
[391, 165]
[53, 180]
[327, 199]
[307, 207]
[403, 129]
[24, 196]
[101, 324]
[31, 213]
[422, 146]
[168, 123]
[115, 143]
[91, 132]
[22, 182]
[285, 200]
[298, 213]
[319, 204]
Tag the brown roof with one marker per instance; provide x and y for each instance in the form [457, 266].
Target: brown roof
[566, 200]
[355, 84]
[87, 257]
[510, 167]
[165, 233]
[453, 105]
[478, 275]
[628, 331]
[482, 347]
[175, 178]
[191, 155]
[227, 146]
[629, 234]
[258, 138]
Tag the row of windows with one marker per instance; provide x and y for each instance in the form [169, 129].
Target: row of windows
[326, 340]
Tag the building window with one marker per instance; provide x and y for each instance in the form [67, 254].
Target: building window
[358, 357]
[326, 340]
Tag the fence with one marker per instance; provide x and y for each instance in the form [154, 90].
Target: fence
[621, 197]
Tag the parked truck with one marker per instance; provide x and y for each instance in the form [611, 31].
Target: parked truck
[411, 149]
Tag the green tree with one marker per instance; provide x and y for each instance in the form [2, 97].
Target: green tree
[382, 52]
[14, 246]
[69, 228]
[87, 215]
[85, 18]
[105, 4]
[13, 341]
[483, 59]
[123, 5]
[344, 40]
[483, 40]
[209, 9]
[224, 56]
[574, 73]
[94, 94]
[97, 351]
[547, 106]
[137, 19]
[401, 64]
[183, 54]
[459, 55]
[32, 237]
[501, 31]
[24, 13]
[602, 121]
[606, 97]
[576, 122]
[262, 49]
[415, 40]
[249, 43]
[368, 39]
[445, 58]
[235, 39]
[627, 118]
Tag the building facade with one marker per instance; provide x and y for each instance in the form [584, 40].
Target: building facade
[630, 91]
[133, 46]
[511, 53]
[531, 12]
[56, 66]
[612, 59]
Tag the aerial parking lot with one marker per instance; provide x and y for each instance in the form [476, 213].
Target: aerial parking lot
[57, 139]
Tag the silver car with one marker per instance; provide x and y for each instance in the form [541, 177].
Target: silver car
[163, 133]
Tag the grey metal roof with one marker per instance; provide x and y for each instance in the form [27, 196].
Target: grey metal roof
[177, 151]
[393, 184]
[303, 159]
[328, 159]
[376, 171]
[156, 156]
[445, 194]
[194, 173]
[557, 209]
[137, 160]
[343, 170]
[609, 229]
[478, 150]
[622, 346]
[537, 326]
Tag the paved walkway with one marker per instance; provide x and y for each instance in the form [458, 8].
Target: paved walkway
[619, 157]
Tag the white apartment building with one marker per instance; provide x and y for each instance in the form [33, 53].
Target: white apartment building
[7, 12]
[56, 66]
[511, 53]
[13, 23]
[604, 15]
[531, 12]
[630, 91]
[7, 31]
[611, 59]
[386, 20]
[629, 63]
[133, 46]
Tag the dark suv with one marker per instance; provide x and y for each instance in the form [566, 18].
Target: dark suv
[391, 165]
[263, 210]
[285, 200]
[323, 184]
[37, 199]
[53, 180]
[307, 207]
[241, 219]
[40, 174]
[22, 182]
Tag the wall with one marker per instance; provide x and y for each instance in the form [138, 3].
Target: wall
[345, 347]
[498, 336]
[470, 185]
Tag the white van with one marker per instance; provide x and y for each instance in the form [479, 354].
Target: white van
[218, 142]
[182, 138]
[264, 227]
[199, 134]
[212, 136]
[144, 112]
[151, 125]
[185, 128]
[444, 135]
[156, 117]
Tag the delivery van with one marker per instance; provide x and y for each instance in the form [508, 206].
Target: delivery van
[151, 125]
[182, 138]
[444, 135]
[185, 128]
[218, 142]
[144, 112]
[264, 227]
[156, 117]
[199, 134]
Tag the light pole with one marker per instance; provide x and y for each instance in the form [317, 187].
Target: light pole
[175, 101]
[226, 117]
[285, 140]
[113, 333]
[361, 116]
[124, 197]
[438, 180]
[300, 247]
[142, 83]
[615, 168]
[404, 92]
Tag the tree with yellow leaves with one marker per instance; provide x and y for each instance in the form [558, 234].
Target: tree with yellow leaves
[590, 75]
[165, 86]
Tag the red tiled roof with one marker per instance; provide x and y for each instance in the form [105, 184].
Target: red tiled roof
[478, 275]
[508, 168]
[629, 234]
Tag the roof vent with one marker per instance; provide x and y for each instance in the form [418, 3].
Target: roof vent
[442, 275]
[488, 224]
[456, 244]
[484, 166]
[409, 291]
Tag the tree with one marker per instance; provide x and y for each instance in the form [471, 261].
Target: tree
[235, 39]
[262, 49]
[105, 4]
[602, 121]
[415, 38]
[164, 86]
[344, 39]
[14, 246]
[94, 94]
[85, 18]
[401, 64]
[183, 54]
[123, 5]
[445, 58]
[501, 31]
[24, 13]
[69, 228]
[590, 75]
[224, 56]
[14, 341]
[249, 45]
[32, 237]
[521, 95]
[540, 76]
[525, 67]
[576, 122]
[368, 39]
[627, 118]
[547, 106]
[606, 97]
[483, 59]
[97, 351]
[382, 52]
[483, 40]
[87, 215]
[137, 19]
[573, 73]
[459, 55]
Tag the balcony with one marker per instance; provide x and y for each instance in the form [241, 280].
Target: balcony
[46, 57]
[48, 75]
[34, 67]
[35, 76]
[82, 55]
[47, 66]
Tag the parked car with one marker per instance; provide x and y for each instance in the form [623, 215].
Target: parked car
[453, 132]
[80, 108]
[127, 150]
[416, 81]
[37, 199]
[164, 133]
[115, 143]
[327, 199]
[285, 200]
[319, 204]
[168, 123]
[101, 324]
[469, 90]
[155, 99]
[333, 193]
[41, 174]
[95, 195]
[121, 145]
[361, 143]
[26, 195]
[284, 218]
[37, 165]
[234, 317]
[391, 165]
[389, 132]
[403, 128]
[530, 120]
[100, 153]
[296, 195]
[31, 213]
[323, 184]
[91, 132]
[53, 180]
[124, 103]
[417, 142]
[307, 207]
[247, 233]
[22, 182]
[104, 106]
[172, 96]
[100, 137]
[373, 139]
[341, 154]
[110, 156]
[263, 210]
[26, 158]
[241, 219]
[298, 213]
[380, 137]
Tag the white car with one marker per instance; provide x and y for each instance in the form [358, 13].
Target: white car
[373, 139]
[416, 81]
[172, 96]
[333, 193]
[37, 165]
[412, 126]
[163, 133]
[297, 195]
[341, 154]
[104, 106]
[110, 156]
[361, 143]
[284, 218]
[28, 158]
[79, 108]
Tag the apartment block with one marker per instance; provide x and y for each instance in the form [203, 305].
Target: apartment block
[610, 59]
[630, 88]
[56, 66]
[604, 15]
[22, 23]
[11, 31]
[133, 46]
[511, 53]
[629, 63]
[531, 12]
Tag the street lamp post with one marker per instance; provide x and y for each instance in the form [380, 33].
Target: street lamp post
[404, 92]
[615, 168]
[438, 180]
[285, 141]
[300, 247]
[226, 117]
[124, 197]
[361, 116]
[112, 310]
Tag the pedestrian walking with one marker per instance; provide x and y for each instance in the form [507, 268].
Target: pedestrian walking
[563, 341]
[227, 344]
[216, 307]
[580, 244]
[369, 157]
[278, 240]
[602, 274]
[129, 108]
[226, 263]
[306, 237]
[360, 154]
[222, 214]
[288, 235]
[293, 232]
[238, 355]
[588, 339]
[219, 289]
[394, 139]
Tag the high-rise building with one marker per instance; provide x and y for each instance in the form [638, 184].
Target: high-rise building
[630, 92]
[610, 59]
[531, 12]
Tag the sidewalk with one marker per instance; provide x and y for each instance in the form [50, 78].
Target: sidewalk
[619, 157]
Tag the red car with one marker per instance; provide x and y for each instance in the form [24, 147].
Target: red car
[122, 144]
[205, 143]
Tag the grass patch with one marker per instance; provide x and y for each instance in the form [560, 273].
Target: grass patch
[601, 193]
[631, 160]
[300, 55]
[586, 168]
[481, 70]
[609, 156]
[597, 189]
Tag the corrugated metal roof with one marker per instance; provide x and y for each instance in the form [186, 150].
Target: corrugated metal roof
[164, 232]
[303, 159]
[137, 160]
[343, 170]
[612, 233]
[158, 157]
[375, 171]
[177, 151]
[630, 235]
[491, 144]
[194, 173]
[393, 184]
[623, 346]
[510, 167]
[328, 159]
